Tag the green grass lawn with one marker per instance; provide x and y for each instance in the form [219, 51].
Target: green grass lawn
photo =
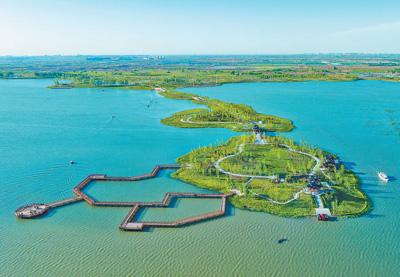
[266, 160]
[304, 206]
[279, 192]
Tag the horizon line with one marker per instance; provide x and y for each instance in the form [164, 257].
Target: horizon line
[229, 54]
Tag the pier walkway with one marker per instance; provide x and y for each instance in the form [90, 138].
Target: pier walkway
[321, 210]
[128, 224]
[64, 202]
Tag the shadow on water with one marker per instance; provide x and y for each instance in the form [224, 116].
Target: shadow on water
[374, 215]
[375, 191]
[385, 197]
[378, 193]
[173, 203]
[139, 215]
[350, 165]
[230, 209]
[360, 173]
[49, 214]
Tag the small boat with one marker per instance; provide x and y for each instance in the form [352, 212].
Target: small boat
[324, 217]
[383, 176]
[282, 240]
[71, 162]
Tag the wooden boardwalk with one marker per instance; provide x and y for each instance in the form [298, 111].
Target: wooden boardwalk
[78, 190]
[128, 224]
[64, 202]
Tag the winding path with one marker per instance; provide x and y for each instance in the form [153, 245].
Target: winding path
[188, 120]
[218, 167]
[296, 195]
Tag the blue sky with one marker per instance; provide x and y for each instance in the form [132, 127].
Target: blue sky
[198, 27]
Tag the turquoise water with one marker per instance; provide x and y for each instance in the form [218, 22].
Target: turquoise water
[149, 190]
[41, 130]
[180, 208]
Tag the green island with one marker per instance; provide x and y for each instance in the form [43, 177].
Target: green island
[220, 114]
[264, 172]
[274, 176]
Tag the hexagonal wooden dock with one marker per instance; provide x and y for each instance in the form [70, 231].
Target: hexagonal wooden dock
[128, 224]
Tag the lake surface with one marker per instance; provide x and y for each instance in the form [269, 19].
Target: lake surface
[41, 130]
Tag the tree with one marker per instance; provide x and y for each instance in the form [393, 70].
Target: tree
[245, 189]
[230, 183]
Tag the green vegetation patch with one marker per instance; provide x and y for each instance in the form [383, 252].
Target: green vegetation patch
[279, 192]
[220, 114]
[304, 206]
[268, 159]
[189, 77]
[341, 193]
[348, 199]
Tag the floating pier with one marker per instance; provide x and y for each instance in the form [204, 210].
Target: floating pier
[128, 224]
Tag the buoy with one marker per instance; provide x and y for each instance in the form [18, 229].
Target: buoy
[71, 162]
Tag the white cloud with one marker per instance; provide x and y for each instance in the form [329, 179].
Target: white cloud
[376, 29]
[378, 38]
